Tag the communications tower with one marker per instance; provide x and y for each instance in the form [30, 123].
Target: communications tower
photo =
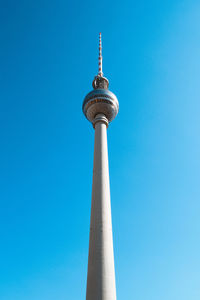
[100, 107]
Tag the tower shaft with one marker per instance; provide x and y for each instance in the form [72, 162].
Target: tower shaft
[101, 272]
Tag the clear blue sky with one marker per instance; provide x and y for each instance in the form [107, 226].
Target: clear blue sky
[48, 58]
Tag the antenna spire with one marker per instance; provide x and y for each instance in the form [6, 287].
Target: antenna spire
[100, 57]
[100, 82]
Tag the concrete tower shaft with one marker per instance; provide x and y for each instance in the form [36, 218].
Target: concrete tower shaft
[101, 272]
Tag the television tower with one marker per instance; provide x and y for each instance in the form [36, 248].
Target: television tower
[100, 107]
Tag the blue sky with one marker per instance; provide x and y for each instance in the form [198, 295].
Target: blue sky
[48, 58]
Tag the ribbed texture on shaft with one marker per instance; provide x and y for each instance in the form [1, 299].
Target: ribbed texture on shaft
[101, 273]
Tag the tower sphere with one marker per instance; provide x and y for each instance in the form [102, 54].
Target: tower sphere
[100, 101]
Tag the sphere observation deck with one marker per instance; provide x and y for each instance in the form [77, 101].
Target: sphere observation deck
[100, 101]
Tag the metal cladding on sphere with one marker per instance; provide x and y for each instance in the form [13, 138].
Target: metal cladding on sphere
[100, 101]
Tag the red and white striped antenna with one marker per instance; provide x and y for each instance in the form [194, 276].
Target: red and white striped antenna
[100, 57]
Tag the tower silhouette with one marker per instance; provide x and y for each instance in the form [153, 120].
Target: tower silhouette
[100, 107]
